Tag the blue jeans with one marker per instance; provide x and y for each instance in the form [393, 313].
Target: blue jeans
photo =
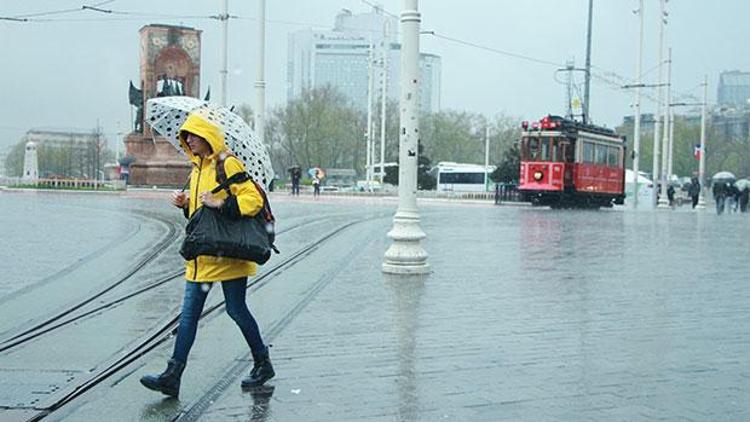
[192, 306]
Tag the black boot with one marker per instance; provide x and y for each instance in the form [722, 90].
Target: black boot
[262, 371]
[168, 382]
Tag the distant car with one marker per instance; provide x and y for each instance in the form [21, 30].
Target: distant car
[375, 186]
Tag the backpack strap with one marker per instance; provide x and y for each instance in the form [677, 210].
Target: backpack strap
[236, 178]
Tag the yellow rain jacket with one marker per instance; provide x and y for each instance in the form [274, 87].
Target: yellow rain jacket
[203, 179]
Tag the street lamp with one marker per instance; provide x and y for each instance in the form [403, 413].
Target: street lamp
[406, 256]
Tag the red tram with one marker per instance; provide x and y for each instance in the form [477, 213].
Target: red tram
[565, 163]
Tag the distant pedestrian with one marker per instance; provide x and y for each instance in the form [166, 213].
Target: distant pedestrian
[670, 195]
[316, 185]
[125, 173]
[204, 145]
[736, 195]
[296, 173]
[744, 198]
[695, 190]
[720, 191]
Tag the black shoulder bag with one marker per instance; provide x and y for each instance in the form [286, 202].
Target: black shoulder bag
[209, 232]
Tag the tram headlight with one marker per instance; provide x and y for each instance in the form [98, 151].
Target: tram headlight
[538, 175]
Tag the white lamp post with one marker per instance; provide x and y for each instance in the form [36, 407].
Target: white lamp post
[702, 162]
[260, 83]
[405, 255]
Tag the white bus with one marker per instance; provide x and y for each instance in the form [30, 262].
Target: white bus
[459, 177]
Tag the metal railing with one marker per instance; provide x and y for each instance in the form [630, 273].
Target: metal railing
[507, 192]
[63, 184]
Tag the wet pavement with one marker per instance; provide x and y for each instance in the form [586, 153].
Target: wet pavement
[529, 314]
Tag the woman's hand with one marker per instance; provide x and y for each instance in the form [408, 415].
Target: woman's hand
[180, 199]
[208, 200]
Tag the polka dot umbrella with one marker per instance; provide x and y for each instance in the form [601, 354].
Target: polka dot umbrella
[165, 115]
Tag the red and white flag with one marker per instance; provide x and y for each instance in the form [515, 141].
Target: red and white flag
[697, 151]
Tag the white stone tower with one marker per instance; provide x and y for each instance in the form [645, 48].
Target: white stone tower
[30, 164]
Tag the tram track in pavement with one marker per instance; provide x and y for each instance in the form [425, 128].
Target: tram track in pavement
[173, 233]
[195, 410]
[78, 312]
[159, 335]
[70, 268]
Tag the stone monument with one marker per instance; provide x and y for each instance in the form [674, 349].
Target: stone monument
[170, 65]
[30, 163]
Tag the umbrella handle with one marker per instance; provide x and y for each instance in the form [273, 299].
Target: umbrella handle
[186, 185]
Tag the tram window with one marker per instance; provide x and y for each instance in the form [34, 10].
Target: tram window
[567, 152]
[532, 151]
[544, 153]
[556, 152]
[601, 155]
[613, 156]
[588, 152]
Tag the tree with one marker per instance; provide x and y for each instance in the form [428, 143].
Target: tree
[246, 112]
[69, 160]
[14, 159]
[425, 180]
[454, 136]
[509, 167]
[319, 128]
[723, 152]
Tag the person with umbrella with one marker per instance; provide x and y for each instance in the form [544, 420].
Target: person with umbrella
[317, 175]
[203, 142]
[723, 190]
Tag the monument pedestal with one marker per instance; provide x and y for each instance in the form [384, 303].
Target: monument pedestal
[157, 162]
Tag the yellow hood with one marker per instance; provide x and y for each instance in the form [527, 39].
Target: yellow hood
[199, 125]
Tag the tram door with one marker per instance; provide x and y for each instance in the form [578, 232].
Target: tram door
[567, 153]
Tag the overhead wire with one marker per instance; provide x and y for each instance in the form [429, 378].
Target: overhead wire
[608, 78]
[59, 11]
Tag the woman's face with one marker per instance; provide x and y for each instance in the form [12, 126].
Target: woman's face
[198, 145]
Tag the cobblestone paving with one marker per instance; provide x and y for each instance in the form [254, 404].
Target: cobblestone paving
[529, 315]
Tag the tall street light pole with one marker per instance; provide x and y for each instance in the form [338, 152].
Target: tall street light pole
[370, 89]
[637, 128]
[260, 83]
[702, 161]
[663, 200]
[405, 256]
[659, 102]
[486, 155]
[670, 158]
[586, 117]
[224, 41]
[384, 96]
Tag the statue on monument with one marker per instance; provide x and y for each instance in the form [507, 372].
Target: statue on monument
[165, 87]
[136, 99]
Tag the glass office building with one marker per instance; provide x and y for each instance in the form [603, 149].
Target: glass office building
[339, 57]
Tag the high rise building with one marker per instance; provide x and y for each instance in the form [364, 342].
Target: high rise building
[734, 89]
[732, 116]
[339, 57]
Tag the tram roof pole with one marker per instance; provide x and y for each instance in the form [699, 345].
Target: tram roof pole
[586, 91]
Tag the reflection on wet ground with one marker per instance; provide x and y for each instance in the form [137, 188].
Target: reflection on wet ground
[529, 314]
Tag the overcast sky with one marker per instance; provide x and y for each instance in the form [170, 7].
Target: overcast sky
[74, 70]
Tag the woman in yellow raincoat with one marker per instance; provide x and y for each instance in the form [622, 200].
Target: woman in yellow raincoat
[204, 144]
